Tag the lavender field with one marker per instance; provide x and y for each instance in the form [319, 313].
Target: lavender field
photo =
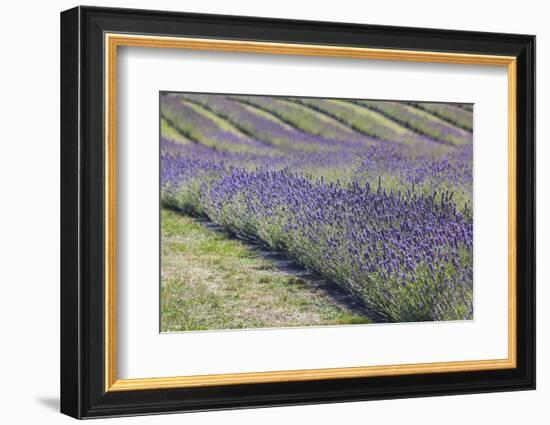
[371, 201]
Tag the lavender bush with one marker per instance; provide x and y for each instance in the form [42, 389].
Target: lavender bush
[388, 221]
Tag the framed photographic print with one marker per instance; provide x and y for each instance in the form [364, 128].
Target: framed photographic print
[261, 212]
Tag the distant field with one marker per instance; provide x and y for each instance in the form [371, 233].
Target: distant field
[373, 197]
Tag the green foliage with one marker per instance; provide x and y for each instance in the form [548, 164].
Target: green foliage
[211, 281]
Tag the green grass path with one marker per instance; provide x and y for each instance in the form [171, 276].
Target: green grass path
[211, 281]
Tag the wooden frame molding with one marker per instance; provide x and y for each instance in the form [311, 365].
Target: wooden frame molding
[114, 40]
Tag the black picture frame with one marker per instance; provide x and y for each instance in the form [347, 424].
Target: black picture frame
[83, 392]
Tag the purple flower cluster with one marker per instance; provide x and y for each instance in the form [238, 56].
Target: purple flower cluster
[402, 167]
[262, 126]
[201, 128]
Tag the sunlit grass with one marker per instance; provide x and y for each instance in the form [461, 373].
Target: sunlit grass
[210, 281]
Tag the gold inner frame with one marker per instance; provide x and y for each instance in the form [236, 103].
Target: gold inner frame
[113, 41]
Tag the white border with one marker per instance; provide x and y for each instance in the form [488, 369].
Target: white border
[143, 352]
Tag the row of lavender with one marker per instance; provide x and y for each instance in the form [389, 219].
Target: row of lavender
[389, 221]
